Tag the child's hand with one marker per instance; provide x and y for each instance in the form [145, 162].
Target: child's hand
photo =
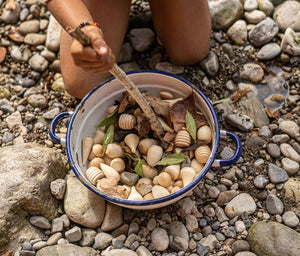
[97, 58]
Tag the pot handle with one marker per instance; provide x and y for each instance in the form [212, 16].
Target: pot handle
[53, 125]
[237, 153]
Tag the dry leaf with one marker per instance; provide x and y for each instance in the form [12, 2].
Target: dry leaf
[239, 94]
[159, 106]
[272, 114]
[2, 54]
[10, 5]
[15, 35]
[179, 109]
[143, 124]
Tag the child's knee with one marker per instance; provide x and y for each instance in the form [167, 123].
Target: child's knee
[188, 56]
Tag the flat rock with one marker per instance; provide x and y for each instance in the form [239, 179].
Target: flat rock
[113, 217]
[83, 206]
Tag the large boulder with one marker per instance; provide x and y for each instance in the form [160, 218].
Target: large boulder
[273, 239]
[26, 172]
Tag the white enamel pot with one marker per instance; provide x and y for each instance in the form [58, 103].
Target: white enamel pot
[91, 111]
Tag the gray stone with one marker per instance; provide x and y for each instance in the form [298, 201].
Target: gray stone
[27, 171]
[126, 53]
[263, 236]
[263, 32]
[273, 150]
[113, 217]
[260, 181]
[210, 64]
[88, 237]
[53, 35]
[274, 205]
[277, 174]
[159, 237]
[74, 234]
[141, 38]
[40, 222]
[269, 51]
[177, 232]
[37, 100]
[290, 219]
[38, 63]
[240, 121]
[102, 240]
[66, 250]
[89, 210]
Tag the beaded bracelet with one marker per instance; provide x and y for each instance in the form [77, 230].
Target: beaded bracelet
[87, 23]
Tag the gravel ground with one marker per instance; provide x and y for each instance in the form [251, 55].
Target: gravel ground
[37, 98]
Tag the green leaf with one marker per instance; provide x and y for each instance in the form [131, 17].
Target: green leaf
[139, 167]
[297, 40]
[132, 157]
[113, 117]
[108, 138]
[191, 125]
[172, 159]
[221, 101]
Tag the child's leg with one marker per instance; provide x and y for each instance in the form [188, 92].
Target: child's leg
[184, 27]
[112, 17]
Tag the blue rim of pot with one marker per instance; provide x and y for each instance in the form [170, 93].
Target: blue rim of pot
[172, 196]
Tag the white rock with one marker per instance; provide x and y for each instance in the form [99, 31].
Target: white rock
[288, 43]
[239, 204]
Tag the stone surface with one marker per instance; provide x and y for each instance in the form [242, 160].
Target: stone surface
[272, 238]
[27, 171]
[241, 203]
[89, 210]
[66, 250]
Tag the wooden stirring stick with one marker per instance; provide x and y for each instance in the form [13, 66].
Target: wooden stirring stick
[119, 74]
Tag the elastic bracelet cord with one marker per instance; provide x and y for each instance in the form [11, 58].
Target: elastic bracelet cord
[87, 23]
